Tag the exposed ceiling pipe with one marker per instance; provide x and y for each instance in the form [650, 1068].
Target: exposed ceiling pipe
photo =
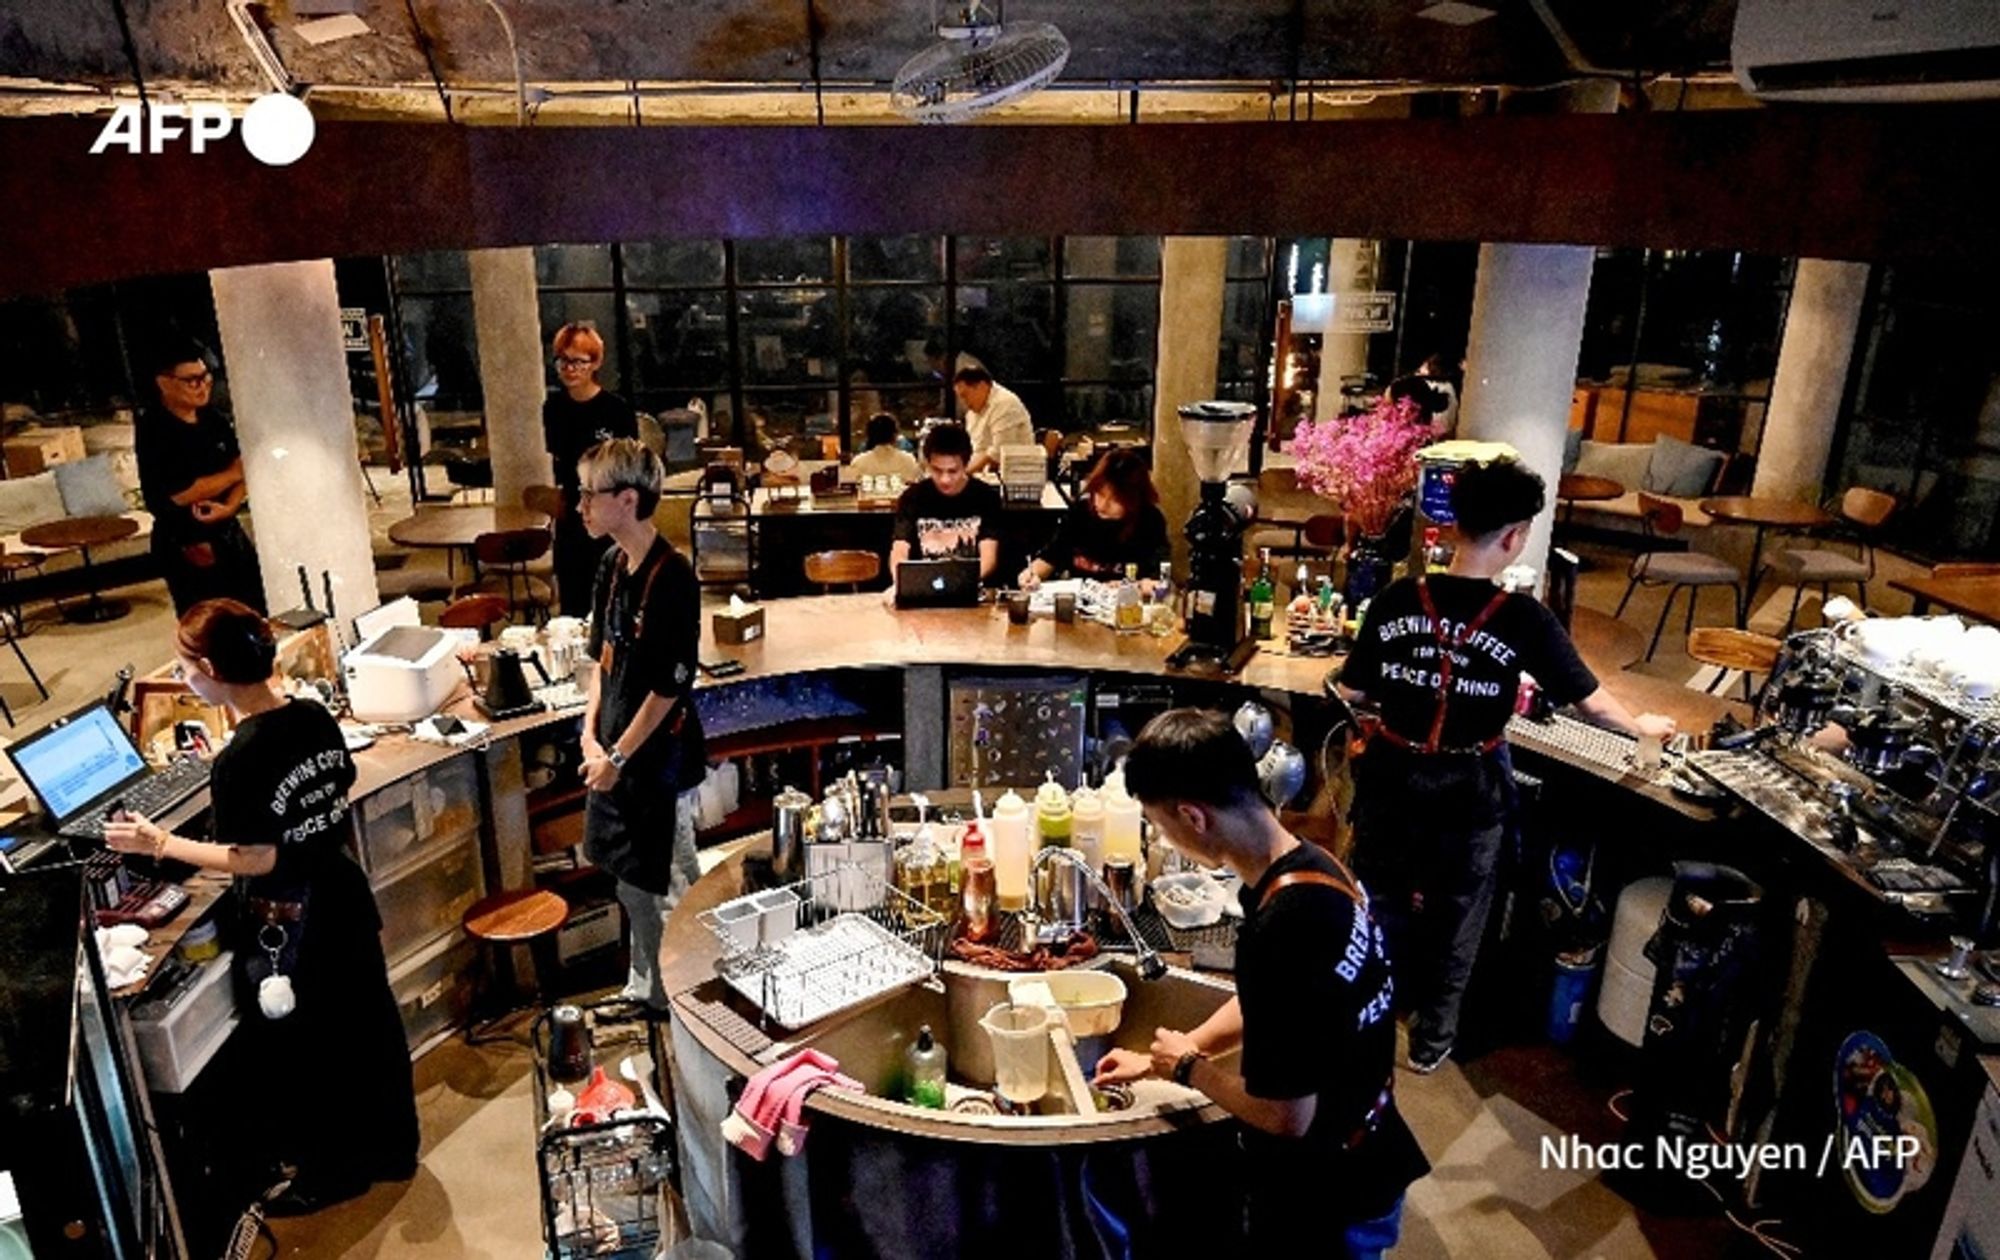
[1572, 54]
[261, 52]
[514, 50]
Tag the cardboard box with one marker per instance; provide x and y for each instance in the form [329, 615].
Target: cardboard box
[746, 628]
[37, 450]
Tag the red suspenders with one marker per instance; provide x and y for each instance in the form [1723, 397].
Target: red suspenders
[1433, 743]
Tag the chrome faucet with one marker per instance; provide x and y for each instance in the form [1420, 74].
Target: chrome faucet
[1056, 910]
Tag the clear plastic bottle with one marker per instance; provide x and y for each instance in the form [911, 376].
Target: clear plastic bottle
[1129, 613]
[924, 1071]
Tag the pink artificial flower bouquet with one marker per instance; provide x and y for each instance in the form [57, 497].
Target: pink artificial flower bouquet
[1366, 463]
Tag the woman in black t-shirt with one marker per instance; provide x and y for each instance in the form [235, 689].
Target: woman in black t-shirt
[337, 1103]
[574, 419]
[1116, 523]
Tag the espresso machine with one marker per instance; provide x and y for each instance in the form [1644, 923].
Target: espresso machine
[1217, 434]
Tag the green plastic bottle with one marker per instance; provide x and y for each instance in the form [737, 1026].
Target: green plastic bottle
[924, 1071]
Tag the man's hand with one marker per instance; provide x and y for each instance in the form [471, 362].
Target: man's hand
[1119, 1067]
[129, 833]
[1656, 724]
[1168, 1047]
[1028, 581]
[592, 750]
[208, 510]
[599, 775]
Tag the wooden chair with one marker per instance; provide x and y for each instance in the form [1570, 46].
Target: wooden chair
[520, 916]
[1862, 514]
[475, 612]
[852, 569]
[1966, 569]
[1728, 648]
[1662, 519]
[548, 500]
[505, 560]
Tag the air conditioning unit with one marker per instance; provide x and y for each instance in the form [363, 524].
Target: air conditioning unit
[1867, 50]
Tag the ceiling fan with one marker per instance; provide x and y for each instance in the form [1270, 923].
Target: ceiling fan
[977, 64]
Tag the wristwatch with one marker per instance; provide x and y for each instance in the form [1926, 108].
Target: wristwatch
[1184, 1067]
[616, 758]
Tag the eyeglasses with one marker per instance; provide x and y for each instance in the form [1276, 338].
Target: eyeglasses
[569, 361]
[590, 493]
[199, 378]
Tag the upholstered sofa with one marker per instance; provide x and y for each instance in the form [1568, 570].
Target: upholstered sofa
[1665, 468]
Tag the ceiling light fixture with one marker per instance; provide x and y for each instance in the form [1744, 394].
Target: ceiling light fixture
[1457, 13]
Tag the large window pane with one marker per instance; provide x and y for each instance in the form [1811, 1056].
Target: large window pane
[1009, 328]
[443, 269]
[1247, 257]
[1113, 331]
[1239, 357]
[790, 336]
[795, 419]
[673, 264]
[1003, 258]
[442, 351]
[597, 310]
[911, 405]
[1610, 319]
[894, 333]
[1090, 407]
[573, 266]
[1712, 318]
[895, 258]
[784, 260]
[679, 340]
[1111, 257]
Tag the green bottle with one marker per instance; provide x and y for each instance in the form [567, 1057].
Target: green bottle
[1263, 597]
[924, 1071]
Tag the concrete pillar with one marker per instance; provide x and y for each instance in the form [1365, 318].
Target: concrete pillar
[1799, 421]
[1350, 268]
[1192, 270]
[507, 314]
[294, 412]
[1527, 327]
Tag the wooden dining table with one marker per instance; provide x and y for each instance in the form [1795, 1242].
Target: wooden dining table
[1975, 597]
[1763, 513]
[457, 528]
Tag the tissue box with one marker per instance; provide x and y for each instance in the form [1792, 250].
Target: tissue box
[746, 626]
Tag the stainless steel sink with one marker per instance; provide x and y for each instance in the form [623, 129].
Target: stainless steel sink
[870, 1042]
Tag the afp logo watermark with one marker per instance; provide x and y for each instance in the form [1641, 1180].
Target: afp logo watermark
[277, 128]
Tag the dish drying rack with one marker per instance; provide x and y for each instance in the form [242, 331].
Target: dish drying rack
[852, 936]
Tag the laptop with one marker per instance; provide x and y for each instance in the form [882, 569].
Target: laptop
[83, 765]
[947, 583]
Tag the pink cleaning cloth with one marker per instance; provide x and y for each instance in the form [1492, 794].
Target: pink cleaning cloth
[792, 1124]
[753, 1124]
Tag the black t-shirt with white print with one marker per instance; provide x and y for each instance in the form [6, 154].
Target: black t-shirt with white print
[283, 780]
[939, 526]
[1395, 659]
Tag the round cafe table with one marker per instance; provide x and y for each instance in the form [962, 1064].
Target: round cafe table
[1762, 514]
[1575, 488]
[81, 533]
[457, 528]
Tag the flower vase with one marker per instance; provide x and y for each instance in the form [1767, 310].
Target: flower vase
[1369, 568]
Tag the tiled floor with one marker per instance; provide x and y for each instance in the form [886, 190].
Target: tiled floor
[475, 1195]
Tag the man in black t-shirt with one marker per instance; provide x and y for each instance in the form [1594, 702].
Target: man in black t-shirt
[574, 419]
[949, 513]
[1328, 1155]
[191, 475]
[643, 754]
[1443, 656]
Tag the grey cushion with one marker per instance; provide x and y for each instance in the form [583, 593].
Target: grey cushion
[90, 488]
[26, 501]
[1819, 565]
[1623, 462]
[1572, 449]
[1682, 469]
[1694, 568]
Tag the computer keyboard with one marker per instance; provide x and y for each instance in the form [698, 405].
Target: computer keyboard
[150, 798]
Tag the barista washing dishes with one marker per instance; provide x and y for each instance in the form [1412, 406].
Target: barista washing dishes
[1328, 1156]
[1443, 656]
[642, 741]
[334, 1095]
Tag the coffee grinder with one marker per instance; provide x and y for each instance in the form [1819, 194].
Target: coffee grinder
[1217, 434]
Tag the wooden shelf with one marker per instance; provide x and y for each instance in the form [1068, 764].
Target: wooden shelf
[555, 798]
[810, 733]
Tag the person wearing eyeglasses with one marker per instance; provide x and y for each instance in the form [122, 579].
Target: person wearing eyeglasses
[575, 418]
[643, 754]
[191, 476]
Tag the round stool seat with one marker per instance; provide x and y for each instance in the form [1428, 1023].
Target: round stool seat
[518, 915]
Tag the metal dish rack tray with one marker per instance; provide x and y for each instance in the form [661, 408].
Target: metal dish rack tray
[854, 938]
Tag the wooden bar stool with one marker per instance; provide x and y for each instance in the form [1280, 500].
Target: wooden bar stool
[475, 612]
[853, 569]
[520, 916]
[1728, 648]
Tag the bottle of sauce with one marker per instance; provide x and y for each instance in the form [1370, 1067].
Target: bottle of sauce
[1011, 851]
[1052, 815]
[1121, 823]
[1086, 810]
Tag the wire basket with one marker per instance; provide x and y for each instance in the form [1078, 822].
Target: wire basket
[604, 1186]
[826, 944]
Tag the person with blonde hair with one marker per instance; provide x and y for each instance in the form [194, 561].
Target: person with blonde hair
[643, 754]
[575, 418]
